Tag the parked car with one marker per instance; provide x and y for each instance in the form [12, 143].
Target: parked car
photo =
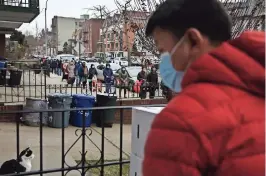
[65, 57]
[101, 67]
[121, 61]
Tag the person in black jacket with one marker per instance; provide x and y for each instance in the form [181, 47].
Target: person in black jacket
[142, 74]
[152, 80]
[92, 72]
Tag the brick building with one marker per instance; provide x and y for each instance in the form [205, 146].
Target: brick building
[116, 36]
[90, 35]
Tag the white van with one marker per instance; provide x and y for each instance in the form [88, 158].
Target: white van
[121, 61]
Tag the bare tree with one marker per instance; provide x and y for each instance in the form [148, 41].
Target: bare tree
[102, 12]
[246, 15]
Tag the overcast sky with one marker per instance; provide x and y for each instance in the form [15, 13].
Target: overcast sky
[67, 8]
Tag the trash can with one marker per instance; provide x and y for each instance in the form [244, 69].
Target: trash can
[59, 101]
[2, 73]
[82, 101]
[33, 119]
[15, 77]
[105, 117]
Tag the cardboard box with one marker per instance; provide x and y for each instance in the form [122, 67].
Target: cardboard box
[135, 165]
[142, 119]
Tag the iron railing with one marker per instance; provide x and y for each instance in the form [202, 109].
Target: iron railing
[35, 83]
[83, 134]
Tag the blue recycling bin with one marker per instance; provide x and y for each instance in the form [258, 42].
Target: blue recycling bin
[82, 101]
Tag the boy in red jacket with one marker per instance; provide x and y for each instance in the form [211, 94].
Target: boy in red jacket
[215, 125]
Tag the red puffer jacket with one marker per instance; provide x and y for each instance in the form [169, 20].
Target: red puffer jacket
[215, 126]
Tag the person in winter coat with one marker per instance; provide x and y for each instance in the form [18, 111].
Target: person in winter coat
[53, 65]
[123, 78]
[152, 79]
[64, 70]
[108, 77]
[78, 78]
[216, 124]
[92, 73]
[71, 73]
[83, 74]
[142, 74]
[59, 67]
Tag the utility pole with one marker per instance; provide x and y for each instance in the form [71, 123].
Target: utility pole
[46, 37]
[126, 28]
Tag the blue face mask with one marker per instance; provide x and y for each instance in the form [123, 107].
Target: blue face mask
[170, 77]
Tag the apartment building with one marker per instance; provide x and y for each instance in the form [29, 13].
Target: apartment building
[64, 29]
[116, 36]
[90, 35]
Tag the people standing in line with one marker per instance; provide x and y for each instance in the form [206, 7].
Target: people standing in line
[64, 70]
[83, 74]
[92, 75]
[77, 66]
[215, 126]
[108, 77]
[123, 78]
[53, 66]
[152, 80]
[71, 73]
[142, 75]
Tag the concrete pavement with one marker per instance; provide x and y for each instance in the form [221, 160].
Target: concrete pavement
[52, 153]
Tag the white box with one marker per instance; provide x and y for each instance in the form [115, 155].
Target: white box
[142, 119]
[135, 165]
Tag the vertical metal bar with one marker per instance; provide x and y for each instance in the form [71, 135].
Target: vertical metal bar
[18, 135]
[5, 91]
[23, 75]
[121, 141]
[60, 88]
[49, 88]
[41, 80]
[29, 85]
[102, 147]
[45, 93]
[12, 89]
[18, 92]
[63, 144]
[41, 143]
[35, 77]
[55, 88]
[83, 142]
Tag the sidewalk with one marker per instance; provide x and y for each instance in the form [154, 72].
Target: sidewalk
[52, 153]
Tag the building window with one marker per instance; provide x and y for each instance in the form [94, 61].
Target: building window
[116, 45]
[112, 46]
[108, 36]
[108, 46]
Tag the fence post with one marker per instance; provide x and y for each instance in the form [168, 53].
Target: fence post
[45, 86]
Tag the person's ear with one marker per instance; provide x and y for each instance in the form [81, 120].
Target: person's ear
[195, 40]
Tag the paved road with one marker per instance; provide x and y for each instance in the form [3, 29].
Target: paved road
[52, 153]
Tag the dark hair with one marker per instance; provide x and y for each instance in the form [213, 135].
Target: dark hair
[207, 16]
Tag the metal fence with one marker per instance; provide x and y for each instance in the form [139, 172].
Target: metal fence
[35, 83]
[82, 134]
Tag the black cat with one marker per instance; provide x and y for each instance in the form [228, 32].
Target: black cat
[22, 164]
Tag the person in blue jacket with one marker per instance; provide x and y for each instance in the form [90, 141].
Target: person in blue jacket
[108, 77]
